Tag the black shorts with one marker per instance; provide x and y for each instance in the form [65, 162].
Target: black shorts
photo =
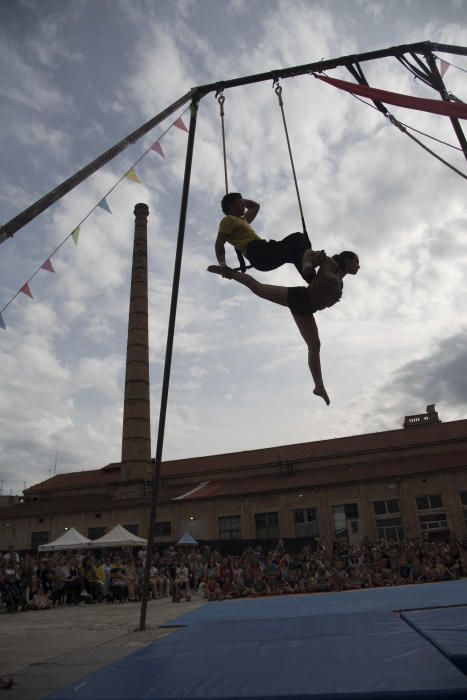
[299, 301]
[269, 255]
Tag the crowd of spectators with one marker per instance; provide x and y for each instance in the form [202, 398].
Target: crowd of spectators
[79, 578]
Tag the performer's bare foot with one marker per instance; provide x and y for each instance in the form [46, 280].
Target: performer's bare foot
[319, 390]
[221, 270]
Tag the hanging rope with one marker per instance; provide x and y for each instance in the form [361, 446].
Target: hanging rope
[403, 128]
[400, 126]
[278, 91]
[412, 128]
[221, 99]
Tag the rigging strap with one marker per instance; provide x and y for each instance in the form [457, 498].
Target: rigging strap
[278, 91]
[221, 99]
[402, 128]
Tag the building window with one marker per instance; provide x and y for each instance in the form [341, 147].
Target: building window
[305, 522]
[267, 525]
[95, 532]
[386, 507]
[431, 513]
[230, 528]
[390, 529]
[429, 502]
[38, 538]
[286, 467]
[163, 530]
[132, 528]
[345, 519]
[463, 497]
[388, 523]
[97, 515]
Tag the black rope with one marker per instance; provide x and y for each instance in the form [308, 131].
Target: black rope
[400, 126]
[403, 127]
[278, 91]
[412, 128]
[221, 99]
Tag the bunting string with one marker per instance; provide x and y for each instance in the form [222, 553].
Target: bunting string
[131, 175]
[447, 63]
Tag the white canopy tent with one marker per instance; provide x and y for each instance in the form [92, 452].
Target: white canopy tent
[71, 539]
[119, 537]
[186, 538]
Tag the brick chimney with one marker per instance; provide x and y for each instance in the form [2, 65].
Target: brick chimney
[136, 437]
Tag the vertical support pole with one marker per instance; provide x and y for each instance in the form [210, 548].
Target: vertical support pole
[168, 362]
[439, 85]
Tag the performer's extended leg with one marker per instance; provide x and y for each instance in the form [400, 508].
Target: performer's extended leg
[270, 292]
[309, 331]
[306, 324]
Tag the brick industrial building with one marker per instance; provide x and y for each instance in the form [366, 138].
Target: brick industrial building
[393, 484]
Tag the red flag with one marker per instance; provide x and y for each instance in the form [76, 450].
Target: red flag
[158, 148]
[26, 290]
[180, 125]
[448, 109]
[47, 266]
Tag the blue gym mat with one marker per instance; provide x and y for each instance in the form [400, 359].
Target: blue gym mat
[427, 595]
[290, 648]
[446, 628]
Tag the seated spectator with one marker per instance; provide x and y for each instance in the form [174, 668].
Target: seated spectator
[442, 571]
[140, 565]
[118, 587]
[260, 587]
[130, 577]
[107, 569]
[93, 584]
[181, 585]
[155, 582]
[212, 590]
[228, 589]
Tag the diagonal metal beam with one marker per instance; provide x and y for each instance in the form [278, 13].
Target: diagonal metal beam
[8, 229]
[424, 48]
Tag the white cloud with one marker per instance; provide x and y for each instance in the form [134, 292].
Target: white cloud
[28, 86]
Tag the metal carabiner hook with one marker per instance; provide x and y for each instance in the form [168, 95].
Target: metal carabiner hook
[221, 99]
[278, 91]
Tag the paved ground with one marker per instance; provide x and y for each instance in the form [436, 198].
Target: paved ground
[44, 650]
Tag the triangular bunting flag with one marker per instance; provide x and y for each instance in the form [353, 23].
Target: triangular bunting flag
[103, 205]
[75, 235]
[180, 125]
[26, 290]
[2, 323]
[158, 148]
[131, 175]
[47, 266]
[443, 66]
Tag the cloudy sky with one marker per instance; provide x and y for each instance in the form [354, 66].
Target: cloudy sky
[76, 77]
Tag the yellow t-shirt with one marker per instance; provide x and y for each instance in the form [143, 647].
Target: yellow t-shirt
[237, 231]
